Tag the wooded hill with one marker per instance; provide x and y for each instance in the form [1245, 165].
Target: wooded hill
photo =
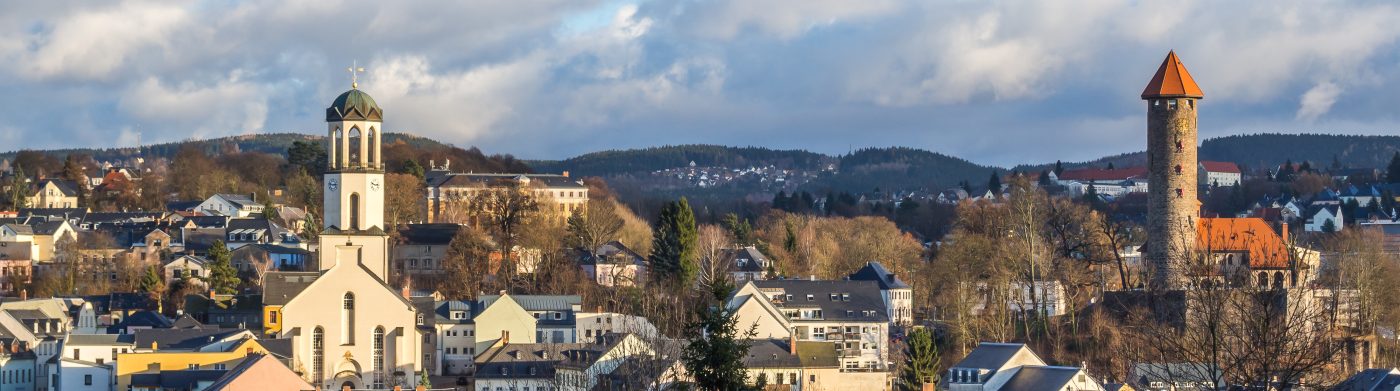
[1267, 150]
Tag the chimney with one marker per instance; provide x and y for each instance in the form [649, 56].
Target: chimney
[407, 291]
[398, 388]
[1283, 231]
[600, 309]
[24, 294]
[792, 344]
[345, 388]
[212, 293]
[505, 337]
[155, 346]
[566, 174]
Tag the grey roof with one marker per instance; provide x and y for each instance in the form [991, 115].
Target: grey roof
[990, 355]
[208, 221]
[853, 300]
[874, 271]
[516, 361]
[753, 259]
[48, 227]
[68, 188]
[280, 347]
[143, 319]
[1038, 378]
[536, 302]
[15, 251]
[776, 353]
[274, 249]
[428, 233]
[445, 179]
[443, 311]
[180, 339]
[281, 287]
[100, 339]
[611, 252]
[1373, 379]
[21, 229]
[239, 200]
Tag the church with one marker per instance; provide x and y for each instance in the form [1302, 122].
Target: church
[347, 326]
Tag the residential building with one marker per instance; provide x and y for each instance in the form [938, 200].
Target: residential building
[89, 361]
[1105, 181]
[746, 263]
[1013, 367]
[233, 205]
[259, 372]
[848, 314]
[259, 258]
[54, 193]
[899, 297]
[191, 268]
[613, 264]
[581, 369]
[1175, 377]
[187, 362]
[421, 248]
[806, 365]
[1324, 218]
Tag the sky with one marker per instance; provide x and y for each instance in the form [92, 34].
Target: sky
[992, 81]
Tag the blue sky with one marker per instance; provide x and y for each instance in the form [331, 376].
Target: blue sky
[996, 82]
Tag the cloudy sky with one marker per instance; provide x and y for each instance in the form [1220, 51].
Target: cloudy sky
[997, 82]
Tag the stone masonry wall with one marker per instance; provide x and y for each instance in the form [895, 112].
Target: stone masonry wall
[1172, 207]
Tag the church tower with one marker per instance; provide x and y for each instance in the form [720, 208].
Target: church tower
[1172, 208]
[354, 229]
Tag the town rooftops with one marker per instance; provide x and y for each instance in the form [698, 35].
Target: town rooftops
[841, 300]
[523, 361]
[99, 339]
[745, 259]
[1265, 247]
[874, 271]
[187, 379]
[1374, 379]
[777, 353]
[181, 339]
[68, 188]
[536, 302]
[1172, 81]
[611, 252]
[239, 200]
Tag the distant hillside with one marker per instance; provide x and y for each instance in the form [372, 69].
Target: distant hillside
[637, 161]
[901, 168]
[1256, 151]
[276, 143]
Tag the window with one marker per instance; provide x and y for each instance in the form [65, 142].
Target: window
[193, 366]
[377, 351]
[792, 378]
[87, 380]
[355, 211]
[347, 319]
[318, 353]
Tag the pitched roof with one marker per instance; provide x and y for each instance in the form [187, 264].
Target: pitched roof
[1038, 378]
[280, 287]
[874, 271]
[1265, 247]
[1172, 81]
[853, 300]
[753, 260]
[536, 302]
[1373, 379]
[181, 339]
[477, 180]
[1228, 167]
[990, 355]
[777, 353]
[438, 233]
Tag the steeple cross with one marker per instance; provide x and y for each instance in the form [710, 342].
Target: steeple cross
[355, 70]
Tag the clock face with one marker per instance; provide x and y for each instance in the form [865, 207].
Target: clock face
[332, 184]
[374, 185]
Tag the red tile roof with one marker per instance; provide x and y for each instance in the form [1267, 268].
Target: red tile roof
[1220, 167]
[1103, 174]
[1252, 235]
[1172, 81]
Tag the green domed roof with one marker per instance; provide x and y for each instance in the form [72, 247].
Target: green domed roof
[354, 105]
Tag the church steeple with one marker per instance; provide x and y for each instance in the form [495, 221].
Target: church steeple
[354, 198]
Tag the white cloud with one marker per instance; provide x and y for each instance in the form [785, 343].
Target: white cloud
[1318, 101]
[92, 43]
[227, 107]
[784, 19]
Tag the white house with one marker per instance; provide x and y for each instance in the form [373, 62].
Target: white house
[850, 315]
[899, 297]
[1047, 296]
[1319, 217]
[188, 267]
[1218, 173]
[1013, 367]
[234, 205]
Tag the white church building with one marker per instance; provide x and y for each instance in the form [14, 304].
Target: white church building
[349, 328]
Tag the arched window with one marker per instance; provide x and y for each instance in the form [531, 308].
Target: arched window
[318, 355]
[1263, 280]
[373, 141]
[1278, 280]
[347, 319]
[355, 211]
[378, 354]
[354, 149]
[337, 148]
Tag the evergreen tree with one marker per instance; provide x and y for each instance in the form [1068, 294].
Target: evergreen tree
[223, 278]
[715, 352]
[1392, 172]
[673, 243]
[1329, 226]
[1285, 172]
[1044, 180]
[920, 360]
[1059, 168]
[1110, 165]
[780, 201]
[994, 183]
[740, 230]
[411, 167]
[761, 382]
[308, 155]
[152, 284]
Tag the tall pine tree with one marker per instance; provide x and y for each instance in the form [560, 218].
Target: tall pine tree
[994, 183]
[920, 360]
[1392, 172]
[715, 353]
[673, 244]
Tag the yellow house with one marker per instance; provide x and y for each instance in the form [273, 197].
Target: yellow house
[157, 361]
[278, 289]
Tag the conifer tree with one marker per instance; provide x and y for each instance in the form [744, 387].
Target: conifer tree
[994, 183]
[920, 360]
[1392, 172]
[223, 278]
[673, 243]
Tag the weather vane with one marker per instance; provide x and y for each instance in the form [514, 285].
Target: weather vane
[355, 69]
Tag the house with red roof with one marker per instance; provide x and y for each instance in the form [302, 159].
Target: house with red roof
[1219, 173]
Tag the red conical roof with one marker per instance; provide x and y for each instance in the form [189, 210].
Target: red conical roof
[1172, 81]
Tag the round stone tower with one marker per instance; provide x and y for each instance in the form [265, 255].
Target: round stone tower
[1172, 207]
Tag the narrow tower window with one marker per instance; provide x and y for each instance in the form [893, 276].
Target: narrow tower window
[1178, 169]
[1180, 193]
[347, 319]
[355, 211]
[356, 141]
[337, 148]
[378, 356]
[373, 142]
[318, 355]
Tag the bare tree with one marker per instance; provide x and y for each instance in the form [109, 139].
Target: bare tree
[711, 243]
[501, 209]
